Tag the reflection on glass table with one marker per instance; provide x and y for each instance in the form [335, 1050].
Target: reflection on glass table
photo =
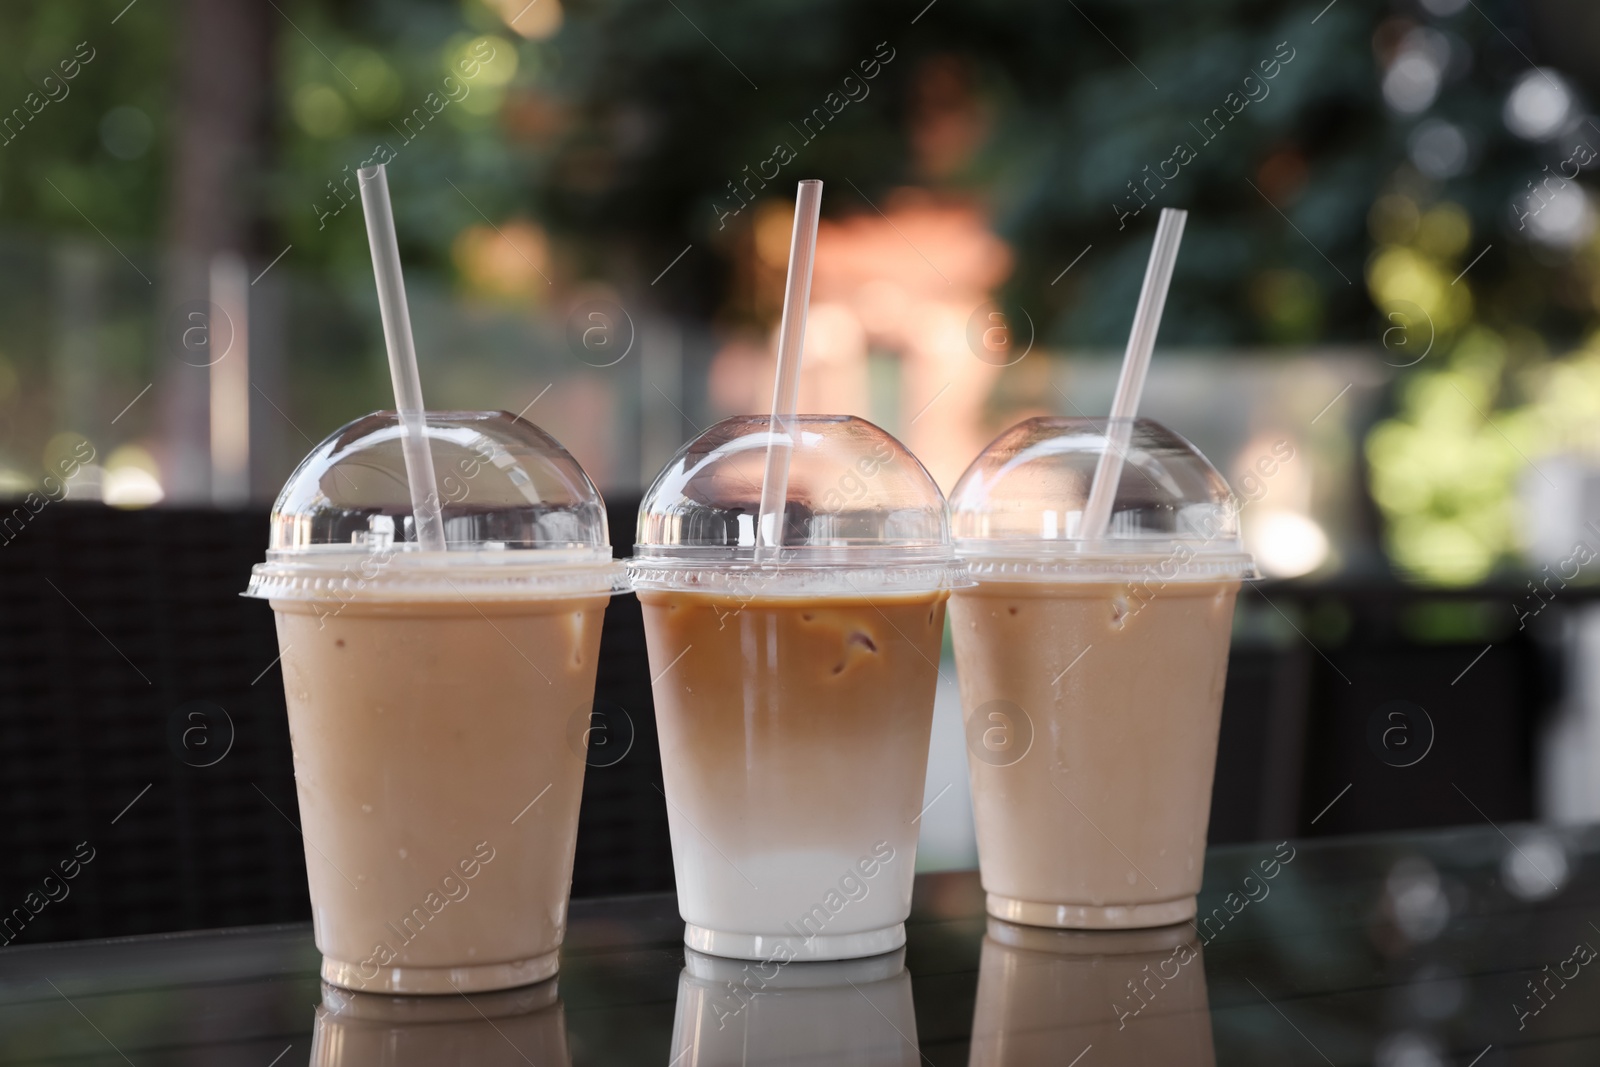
[802, 1014]
[1043, 995]
[487, 1030]
[1453, 947]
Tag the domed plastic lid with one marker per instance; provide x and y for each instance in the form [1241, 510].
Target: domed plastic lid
[1016, 512]
[862, 514]
[520, 517]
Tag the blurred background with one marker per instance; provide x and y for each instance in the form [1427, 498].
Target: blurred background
[1381, 330]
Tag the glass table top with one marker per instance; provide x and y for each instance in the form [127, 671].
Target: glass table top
[1472, 947]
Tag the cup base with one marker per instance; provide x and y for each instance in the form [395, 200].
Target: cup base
[1091, 917]
[817, 947]
[426, 981]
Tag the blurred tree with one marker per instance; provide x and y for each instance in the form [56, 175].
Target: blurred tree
[1344, 164]
[1484, 263]
[220, 148]
[625, 128]
[100, 136]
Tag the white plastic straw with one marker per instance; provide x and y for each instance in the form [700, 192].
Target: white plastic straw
[1135, 363]
[786, 383]
[402, 356]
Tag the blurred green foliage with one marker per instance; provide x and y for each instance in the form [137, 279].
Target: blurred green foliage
[621, 131]
[65, 142]
[617, 130]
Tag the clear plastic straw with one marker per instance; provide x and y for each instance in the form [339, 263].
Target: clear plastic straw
[1135, 363]
[786, 384]
[385, 247]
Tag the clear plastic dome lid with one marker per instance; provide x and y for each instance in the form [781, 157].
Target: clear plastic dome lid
[520, 516]
[1018, 510]
[861, 512]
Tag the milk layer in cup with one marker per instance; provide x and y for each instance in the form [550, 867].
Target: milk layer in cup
[1092, 670]
[438, 701]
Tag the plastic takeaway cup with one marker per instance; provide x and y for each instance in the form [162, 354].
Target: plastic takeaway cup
[794, 699]
[1092, 671]
[434, 697]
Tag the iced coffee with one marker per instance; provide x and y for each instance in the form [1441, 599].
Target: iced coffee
[794, 699]
[432, 696]
[769, 778]
[1092, 672]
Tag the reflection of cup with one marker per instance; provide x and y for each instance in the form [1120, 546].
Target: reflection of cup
[1137, 996]
[1092, 671]
[847, 1012]
[429, 697]
[794, 698]
[510, 1028]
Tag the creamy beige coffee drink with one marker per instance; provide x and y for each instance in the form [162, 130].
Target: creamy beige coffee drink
[1092, 672]
[794, 742]
[1096, 823]
[421, 731]
[439, 701]
[1138, 997]
[794, 690]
